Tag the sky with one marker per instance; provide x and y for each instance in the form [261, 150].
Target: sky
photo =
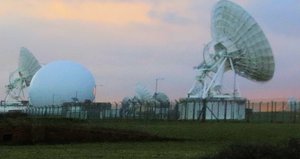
[126, 42]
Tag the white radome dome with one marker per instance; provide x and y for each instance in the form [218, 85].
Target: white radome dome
[59, 82]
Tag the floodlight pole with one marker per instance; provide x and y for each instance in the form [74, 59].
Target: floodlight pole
[156, 84]
[96, 91]
[53, 95]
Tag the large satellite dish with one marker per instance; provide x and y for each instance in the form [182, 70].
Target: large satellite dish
[21, 77]
[238, 44]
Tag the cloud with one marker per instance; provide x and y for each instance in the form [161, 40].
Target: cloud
[280, 17]
[110, 12]
[170, 17]
[175, 13]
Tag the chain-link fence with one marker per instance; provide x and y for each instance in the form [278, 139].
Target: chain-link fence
[273, 111]
[215, 110]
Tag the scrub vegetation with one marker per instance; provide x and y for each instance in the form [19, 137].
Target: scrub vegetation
[290, 150]
[139, 138]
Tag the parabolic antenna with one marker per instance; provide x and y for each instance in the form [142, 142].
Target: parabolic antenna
[293, 104]
[28, 65]
[21, 77]
[161, 98]
[238, 44]
[143, 98]
[142, 94]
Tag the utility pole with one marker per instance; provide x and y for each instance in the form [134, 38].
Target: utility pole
[96, 91]
[156, 84]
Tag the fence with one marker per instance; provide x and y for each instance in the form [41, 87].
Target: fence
[216, 110]
[273, 112]
[81, 111]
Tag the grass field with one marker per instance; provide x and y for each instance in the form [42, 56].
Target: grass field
[195, 139]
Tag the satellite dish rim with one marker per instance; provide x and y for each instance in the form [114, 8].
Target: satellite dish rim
[267, 72]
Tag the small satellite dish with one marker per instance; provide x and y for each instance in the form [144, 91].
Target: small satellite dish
[21, 77]
[293, 104]
[161, 98]
[144, 100]
[142, 94]
[238, 44]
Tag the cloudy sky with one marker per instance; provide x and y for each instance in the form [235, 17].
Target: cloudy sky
[125, 42]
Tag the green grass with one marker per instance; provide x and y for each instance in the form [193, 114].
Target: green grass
[279, 117]
[199, 139]
[124, 150]
[211, 131]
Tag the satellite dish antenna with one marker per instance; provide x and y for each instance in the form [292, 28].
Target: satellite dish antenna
[21, 77]
[238, 44]
[293, 104]
[142, 93]
[161, 98]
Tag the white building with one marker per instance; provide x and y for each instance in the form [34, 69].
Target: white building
[212, 109]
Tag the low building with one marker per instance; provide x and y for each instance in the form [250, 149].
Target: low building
[212, 109]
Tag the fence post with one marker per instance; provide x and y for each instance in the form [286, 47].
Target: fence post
[218, 111]
[295, 110]
[204, 102]
[155, 110]
[252, 108]
[275, 105]
[134, 111]
[260, 103]
[283, 111]
[140, 114]
[177, 110]
[55, 110]
[272, 107]
[75, 112]
[110, 114]
[168, 111]
[80, 111]
[248, 111]
[185, 109]
[116, 110]
[161, 110]
[225, 111]
[231, 109]
[194, 109]
[212, 109]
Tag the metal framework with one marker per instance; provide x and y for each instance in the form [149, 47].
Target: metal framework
[238, 44]
[21, 77]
